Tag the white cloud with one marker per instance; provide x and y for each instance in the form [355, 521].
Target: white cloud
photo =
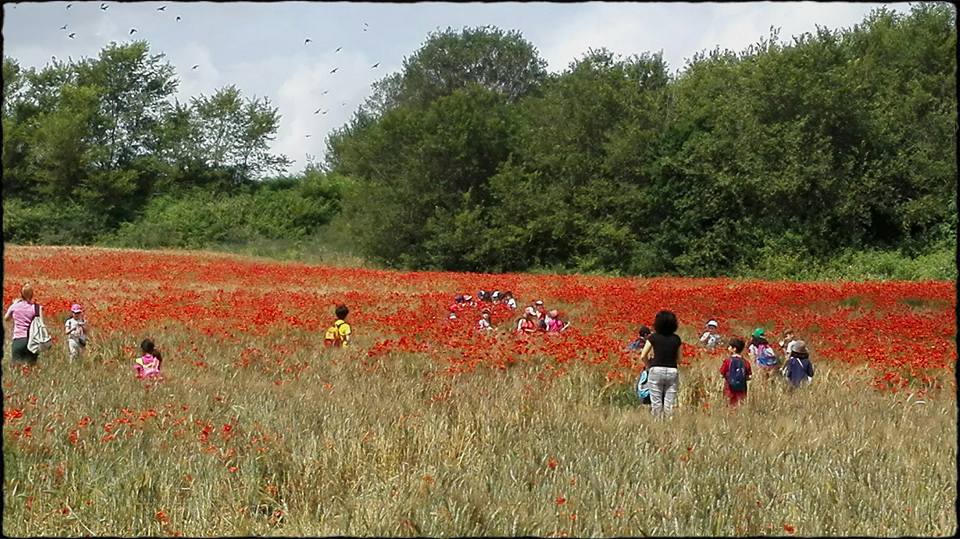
[205, 79]
[682, 29]
[738, 26]
[301, 94]
[625, 29]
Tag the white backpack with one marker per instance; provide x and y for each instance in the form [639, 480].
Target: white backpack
[38, 339]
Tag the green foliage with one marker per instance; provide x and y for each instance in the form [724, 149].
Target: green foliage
[785, 159]
[103, 135]
[201, 218]
[49, 223]
[832, 155]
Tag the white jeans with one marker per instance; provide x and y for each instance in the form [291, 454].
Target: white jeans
[664, 383]
[75, 349]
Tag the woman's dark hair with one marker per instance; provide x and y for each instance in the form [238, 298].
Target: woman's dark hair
[644, 331]
[737, 344]
[757, 341]
[342, 312]
[665, 323]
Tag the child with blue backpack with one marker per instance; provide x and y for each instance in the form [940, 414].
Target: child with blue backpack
[736, 372]
[798, 369]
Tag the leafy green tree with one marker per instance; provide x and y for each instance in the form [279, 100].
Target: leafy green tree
[235, 134]
[502, 62]
[134, 91]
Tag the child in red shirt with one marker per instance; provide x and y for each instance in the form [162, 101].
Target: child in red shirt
[736, 372]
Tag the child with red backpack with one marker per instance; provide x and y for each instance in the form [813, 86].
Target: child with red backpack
[736, 372]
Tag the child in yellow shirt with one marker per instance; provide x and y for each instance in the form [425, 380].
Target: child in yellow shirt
[338, 335]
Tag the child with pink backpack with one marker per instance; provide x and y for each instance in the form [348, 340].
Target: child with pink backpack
[148, 364]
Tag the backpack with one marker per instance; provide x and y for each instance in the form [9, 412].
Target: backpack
[793, 365]
[766, 356]
[333, 337]
[737, 375]
[642, 390]
[38, 339]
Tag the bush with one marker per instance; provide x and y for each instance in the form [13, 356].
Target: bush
[49, 223]
[937, 263]
[289, 211]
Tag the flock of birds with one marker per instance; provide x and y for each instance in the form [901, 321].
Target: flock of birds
[162, 9]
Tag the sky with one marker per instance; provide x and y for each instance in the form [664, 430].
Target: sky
[260, 47]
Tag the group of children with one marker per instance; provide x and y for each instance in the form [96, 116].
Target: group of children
[736, 371]
[797, 369]
[535, 317]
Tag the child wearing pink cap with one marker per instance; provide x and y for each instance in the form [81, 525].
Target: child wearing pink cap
[76, 332]
[148, 365]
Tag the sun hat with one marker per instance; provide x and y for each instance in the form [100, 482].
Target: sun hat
[713, 323]
[538, 302]
[76, 308]
[758, 332]
[529, 310]
[799, 347]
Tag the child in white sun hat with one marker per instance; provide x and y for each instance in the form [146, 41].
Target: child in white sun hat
[75, 328]
[711, 337]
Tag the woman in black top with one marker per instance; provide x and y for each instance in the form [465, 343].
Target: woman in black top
[663, 378]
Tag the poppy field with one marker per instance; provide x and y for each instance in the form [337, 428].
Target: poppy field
[425, 426]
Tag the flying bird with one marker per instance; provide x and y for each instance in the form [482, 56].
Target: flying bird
[72, 34]
[326, 111]
[64, 27]
[308, 136]
[132, 31]
[325, 92]
[178, 18]
[338, 49]
[376, 65]
[308, 40]
[317, 111]
[344, 104]
[104, 7]
[161, 8]
[334, 70]
[68, 6]
[196, 66]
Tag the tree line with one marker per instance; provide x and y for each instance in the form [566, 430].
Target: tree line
[472, 157]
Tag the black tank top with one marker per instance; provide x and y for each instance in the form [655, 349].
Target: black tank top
[665, 348]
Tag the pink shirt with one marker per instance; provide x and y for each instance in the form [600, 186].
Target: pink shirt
[554, 324]
[146, 366]
[22, 313]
